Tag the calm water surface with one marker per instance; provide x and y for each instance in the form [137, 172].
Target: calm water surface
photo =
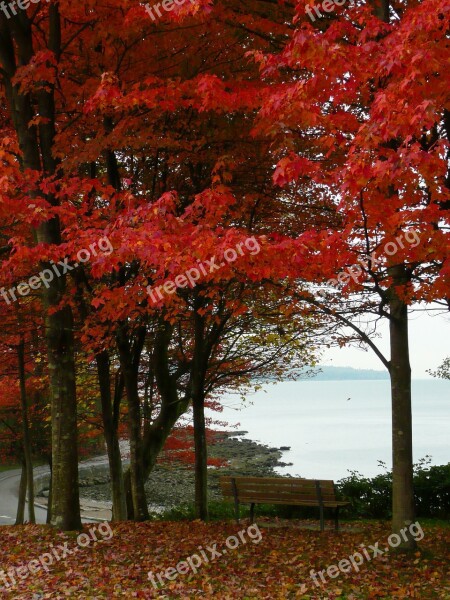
[336, 426]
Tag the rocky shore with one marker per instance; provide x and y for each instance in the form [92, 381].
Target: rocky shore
[173, 484]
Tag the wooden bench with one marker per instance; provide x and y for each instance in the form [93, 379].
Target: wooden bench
[281, 490]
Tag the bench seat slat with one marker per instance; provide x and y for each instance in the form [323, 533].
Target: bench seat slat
[241, 489]
[274, 492]
[277, 484]
[253, 498]
[278, 500]
[284, 497]
[281, 480]
[326, 483]
[268, 486]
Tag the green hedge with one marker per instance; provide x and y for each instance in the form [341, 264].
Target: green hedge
[372, 497]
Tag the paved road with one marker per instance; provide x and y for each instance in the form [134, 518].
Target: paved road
[9, 493]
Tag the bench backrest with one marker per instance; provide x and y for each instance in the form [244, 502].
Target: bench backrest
[277, 489]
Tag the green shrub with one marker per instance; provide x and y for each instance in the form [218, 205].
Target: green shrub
[432, 490]
[372, 497]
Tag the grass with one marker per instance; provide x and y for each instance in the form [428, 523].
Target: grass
[8, 467]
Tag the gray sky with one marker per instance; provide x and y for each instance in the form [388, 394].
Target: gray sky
[429, 345]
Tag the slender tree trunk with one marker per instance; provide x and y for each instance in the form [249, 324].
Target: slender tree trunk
[111, 438]
[128, 494]
[20, 516]
[201, 458]
[27, 453]
[403, 511]
[50, 495]
[129, 361]
[140, 508]
[198, 404]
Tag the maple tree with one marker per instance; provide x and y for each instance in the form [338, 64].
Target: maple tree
[370, 146]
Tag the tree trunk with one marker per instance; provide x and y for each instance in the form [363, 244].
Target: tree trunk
[50, 495]
[119, 512]
[27, 453]
[400, 374]
[140, 509]
[20, 516]
[403, 511]
[65, 506]
[129, 361]
[128, 494]
[153, 442]
[198, 404]
[172, 407]
[381, 9]
[201, 458]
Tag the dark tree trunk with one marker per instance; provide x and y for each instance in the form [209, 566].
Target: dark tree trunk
[65, 506]
[111, 438]
[50, 494]
[381, 9]
[140, 509]
[129, 360]
[198, 404]
[403, 511]
[128, 495]
[20, 516]
[27, 453]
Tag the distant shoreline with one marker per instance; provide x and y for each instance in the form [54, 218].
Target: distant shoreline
[329, 373]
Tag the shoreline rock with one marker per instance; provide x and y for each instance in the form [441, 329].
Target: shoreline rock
[172, 485]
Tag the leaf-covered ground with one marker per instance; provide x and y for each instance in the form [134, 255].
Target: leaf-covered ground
[278, 566]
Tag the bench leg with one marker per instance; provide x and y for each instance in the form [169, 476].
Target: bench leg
[252, 513]
[336, 518]
[320, 502]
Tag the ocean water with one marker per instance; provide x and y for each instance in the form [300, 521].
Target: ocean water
[334, 427]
